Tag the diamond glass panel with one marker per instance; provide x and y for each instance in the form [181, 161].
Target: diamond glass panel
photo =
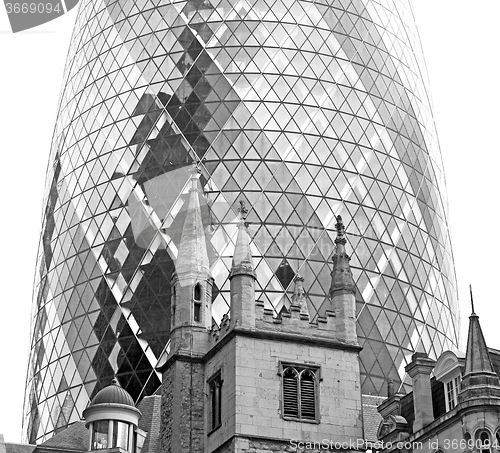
[305, 109]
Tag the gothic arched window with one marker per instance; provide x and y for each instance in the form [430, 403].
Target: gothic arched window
[197, 292]
[300, 392]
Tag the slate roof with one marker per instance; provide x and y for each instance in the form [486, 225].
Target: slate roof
[150, 421]
[371, 417]
[19, 448]
[75, 437]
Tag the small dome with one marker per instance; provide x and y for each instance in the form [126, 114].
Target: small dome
[113, 394]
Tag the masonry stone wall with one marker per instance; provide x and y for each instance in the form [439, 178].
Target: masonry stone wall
[449, 437]
[167, 398]
[485, 418]
[183, 408]
[225, 362]
[255, 445]
[258, 391]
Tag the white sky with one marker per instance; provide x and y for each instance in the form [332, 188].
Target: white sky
[461, 46]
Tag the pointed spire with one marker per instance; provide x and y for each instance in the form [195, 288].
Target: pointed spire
[477, 358]
[299, 298]
[480, 379]
[242, 258]
[342, 280]
[192, 263]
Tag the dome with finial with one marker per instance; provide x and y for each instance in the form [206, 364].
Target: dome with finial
[113, 394]
[113, 417]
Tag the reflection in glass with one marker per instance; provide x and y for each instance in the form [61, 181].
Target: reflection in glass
[120, 434]
[100, 435]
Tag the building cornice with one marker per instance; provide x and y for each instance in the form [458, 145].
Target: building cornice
[287, 337]
[261, 334]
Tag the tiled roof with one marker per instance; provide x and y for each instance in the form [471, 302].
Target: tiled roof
[19, 448]
[371, 417]
[75, 437]
[150, 421]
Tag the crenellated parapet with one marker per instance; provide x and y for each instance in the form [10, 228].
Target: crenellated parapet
[217, 332]
[337, 322]
[294, 322]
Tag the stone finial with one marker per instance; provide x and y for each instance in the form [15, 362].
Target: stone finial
[192, 263]
[242, 259]
[243, 211]
[342, 280]
[299, 298]
[340, 239]
[195, 173]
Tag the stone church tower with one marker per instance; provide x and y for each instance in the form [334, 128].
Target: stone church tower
[257, 382]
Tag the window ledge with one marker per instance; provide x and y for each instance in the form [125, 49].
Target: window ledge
[300, 420]
[214, 429]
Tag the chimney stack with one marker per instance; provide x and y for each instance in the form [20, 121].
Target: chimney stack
[420, 369]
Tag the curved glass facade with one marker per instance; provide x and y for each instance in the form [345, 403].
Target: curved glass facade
[306, 110]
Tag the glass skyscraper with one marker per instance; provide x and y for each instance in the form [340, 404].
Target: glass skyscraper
[304, 109]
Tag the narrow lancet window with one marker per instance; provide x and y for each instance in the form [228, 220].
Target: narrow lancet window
[197, 303]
